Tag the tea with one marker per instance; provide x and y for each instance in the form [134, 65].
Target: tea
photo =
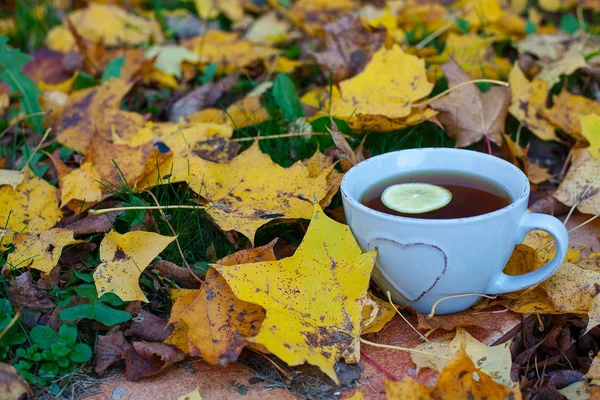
[471, 195]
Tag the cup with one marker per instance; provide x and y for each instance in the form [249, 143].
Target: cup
[421, 261]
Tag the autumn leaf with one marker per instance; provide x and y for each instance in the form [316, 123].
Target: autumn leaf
[469, 115]
[169, 58]
[124, 258]
[12, 385]
[243, 196]
[41, 251]
[313, 300]
[96, 111]
[459, 378]
[590, 129]
[11, 177]
[566, 110]
[571, 61]
[528, 99]
[268, 29]
[581, 183]
[82, 184]
[313, 15]
[216, 322]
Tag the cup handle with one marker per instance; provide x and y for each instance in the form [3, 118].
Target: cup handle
[503, 283]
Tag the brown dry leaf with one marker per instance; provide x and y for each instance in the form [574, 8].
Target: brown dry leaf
[342, 144]
[145, 359]
[148, 326]
[313, 299]
[110, 349]
[12, 386]
[228, 50]
[538, 174]
[313, 15]
[350, 47]
[459, 379]
[571, 61]
[252, 190]
[528, 100]
[485, 320]
[181, 276]
[566, 110]
[268, 29]
[23, 294]
[581, 185]
[515, 153]
[124, 258]
[47, 68]
[217, 322]
[96, 112]
[545, 47]
[469, 115]
[40, 252]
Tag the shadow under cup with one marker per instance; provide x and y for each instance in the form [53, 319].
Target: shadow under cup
[421, 261]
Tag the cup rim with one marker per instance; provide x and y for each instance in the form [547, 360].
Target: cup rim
[471, 153]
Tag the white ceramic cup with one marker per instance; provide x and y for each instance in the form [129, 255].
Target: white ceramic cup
[421, 261]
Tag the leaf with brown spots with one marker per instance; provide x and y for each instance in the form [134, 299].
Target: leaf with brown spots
[217, 322]
[124, 258]
[566, 110]
[12, 385]
[147, 358]
[40, 252]
[148, 326]
[581, 185]
[459, 379]
[469, 115]
[313, 300]
[96, 112]
[251, 190]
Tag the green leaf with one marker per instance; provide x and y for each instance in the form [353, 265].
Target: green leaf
[89, 278]
[286, 98]
[112, 299]
[83, 81]
[76, 312]
[134, 217]
[43, 336]
[63, 361]
[49, 369]
[14, 339]
[6, 310]
[68, 334]
[530, 27]
[81, 353]
[208, 73]
[285, 3]
[87, 291]
[463, 25]
[59, 350]
[569, 23]
[109, 316]
[113, 69]
[11, 65]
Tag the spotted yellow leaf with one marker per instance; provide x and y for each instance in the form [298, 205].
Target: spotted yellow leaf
[124, 258]
[313, 300]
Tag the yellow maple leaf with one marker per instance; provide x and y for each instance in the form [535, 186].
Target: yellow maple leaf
[40, 252]
[528, 99]
[386, 89]
[193, 395]
[590, 128]
[227, 50]
[312, 15]
[571, 61]
[384, 314]
[81, 184]
[96, 111]
[32, 207]
[495, 360]
[251, 190]
[479, 12]
[460, 378]
[169, 58]
[581, 183]
[566, 110]
[313, 299]
[124, 258]
[217, 323]
[99, 22]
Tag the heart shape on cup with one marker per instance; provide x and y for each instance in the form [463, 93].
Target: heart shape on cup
[413, 269]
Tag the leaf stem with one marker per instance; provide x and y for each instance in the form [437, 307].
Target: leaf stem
[21, 119]
[283, 135]
[447, 91]
[107, 210]
[454, 296]
[407, 349]
[389, 296]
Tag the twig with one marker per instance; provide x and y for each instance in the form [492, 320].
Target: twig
[445, 92]
[283, 135]
[380, 367]
[407, 349]
[36, 149]
[10, 324]
[164, 217]
[389, 296]
[432, 313]
[107, 210]
[21, 119]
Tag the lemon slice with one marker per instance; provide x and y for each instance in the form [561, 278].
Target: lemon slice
[415, 198]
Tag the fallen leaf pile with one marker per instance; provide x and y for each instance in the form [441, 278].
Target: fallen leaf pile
[169, 189]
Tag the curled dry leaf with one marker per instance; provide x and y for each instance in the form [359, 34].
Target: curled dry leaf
[528, 100]
[148, 326]
[217, 323]
[342, 144]
[12, 386]
[313, 299]
[459, 379]
[145, 359]
[180, 275]
[384, 314]
[469, 115]
[124, 258]
[110, 350]
[350, 47]
[23, 294]
[40, 252]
